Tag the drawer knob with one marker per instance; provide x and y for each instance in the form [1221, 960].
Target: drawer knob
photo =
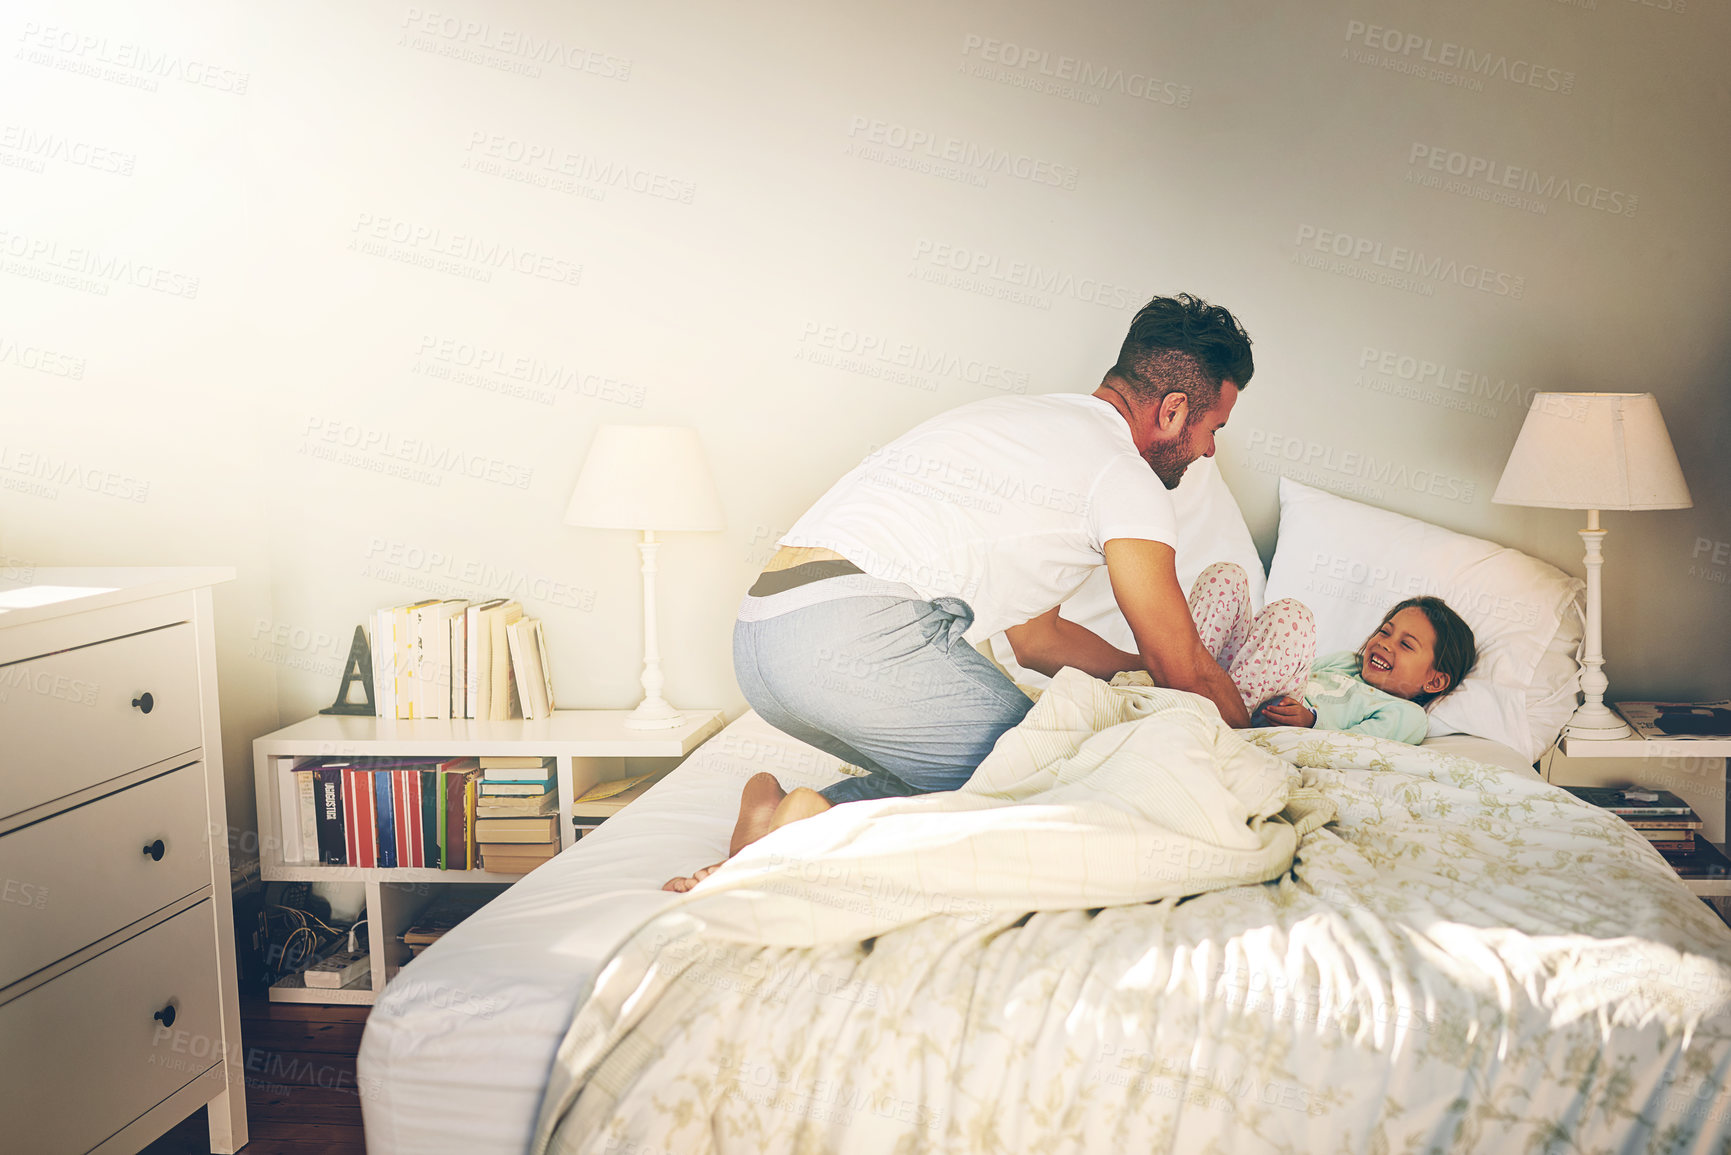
[155, 850]
[145, 702]
[165, 1016]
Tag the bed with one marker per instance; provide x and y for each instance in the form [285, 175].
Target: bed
[1465, 958]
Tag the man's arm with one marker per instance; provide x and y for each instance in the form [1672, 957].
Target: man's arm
[1145, 581]
[1048, 643]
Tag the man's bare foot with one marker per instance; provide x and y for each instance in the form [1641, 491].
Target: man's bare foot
[758, 804]
[798, 803]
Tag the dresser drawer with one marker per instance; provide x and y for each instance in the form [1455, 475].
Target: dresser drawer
[85, 873]
[67, 720]
[81, 1057]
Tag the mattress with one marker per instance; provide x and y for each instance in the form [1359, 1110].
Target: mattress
[458, 1049]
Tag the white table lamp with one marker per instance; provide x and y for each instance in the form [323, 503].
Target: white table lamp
[1593, 451]
[649, 478]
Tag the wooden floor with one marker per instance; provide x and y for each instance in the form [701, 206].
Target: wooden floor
[301, 1097]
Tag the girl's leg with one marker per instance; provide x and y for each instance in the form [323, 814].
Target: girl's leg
[1220, 607]
[1277, 656]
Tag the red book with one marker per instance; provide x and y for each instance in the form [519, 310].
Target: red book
[400, 803]
[412, 814]
[351, 817]
[366, 815]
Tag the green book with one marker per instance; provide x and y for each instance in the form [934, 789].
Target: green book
[444, 864]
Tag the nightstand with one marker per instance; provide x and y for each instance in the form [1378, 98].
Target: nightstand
[1691, 768]
[587, 746]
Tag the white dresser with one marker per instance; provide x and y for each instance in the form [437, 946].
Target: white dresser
[119, 1012]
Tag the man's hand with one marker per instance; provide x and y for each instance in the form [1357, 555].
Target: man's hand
[1145, 582]
[1285, 711]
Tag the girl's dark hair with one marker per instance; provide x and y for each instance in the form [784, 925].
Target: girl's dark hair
[1456, 652]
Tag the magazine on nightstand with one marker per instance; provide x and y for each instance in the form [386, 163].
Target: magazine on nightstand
[1672, 721]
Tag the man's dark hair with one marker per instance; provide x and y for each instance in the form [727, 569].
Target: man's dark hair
[1456, 650]
[1183, 344]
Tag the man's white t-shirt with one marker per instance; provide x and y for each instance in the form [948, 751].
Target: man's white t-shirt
[1006, 503]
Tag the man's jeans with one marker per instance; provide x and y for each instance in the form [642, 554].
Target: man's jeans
[885, 683]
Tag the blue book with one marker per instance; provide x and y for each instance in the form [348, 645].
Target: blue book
[387, 818]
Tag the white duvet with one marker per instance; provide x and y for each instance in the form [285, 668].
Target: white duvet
[1465, 960]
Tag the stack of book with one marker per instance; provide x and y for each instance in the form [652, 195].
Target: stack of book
[517, 814]
[443, 913]
[1665, 821]
[606, 799]
[453, 658]
[381, 812]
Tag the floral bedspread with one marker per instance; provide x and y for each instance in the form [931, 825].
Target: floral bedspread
[1465, 959]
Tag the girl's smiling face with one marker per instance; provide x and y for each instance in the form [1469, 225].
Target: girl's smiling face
[1399, 658]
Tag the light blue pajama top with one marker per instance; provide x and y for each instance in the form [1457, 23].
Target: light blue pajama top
[1343, 700]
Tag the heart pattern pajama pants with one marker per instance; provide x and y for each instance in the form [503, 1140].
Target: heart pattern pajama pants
[1266, 654]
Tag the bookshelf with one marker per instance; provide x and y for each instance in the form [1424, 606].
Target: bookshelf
[1692, 768]
[587, 746]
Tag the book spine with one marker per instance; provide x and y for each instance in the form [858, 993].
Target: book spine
[288, 806]
[454, 821]
[427, 785]
[333, 849]
[456, 691]
[412, 817]
[475, 621]
[309, 814]
[385, 817]
[470, 854]
[399, 815]
[440, 811]
[352, 817]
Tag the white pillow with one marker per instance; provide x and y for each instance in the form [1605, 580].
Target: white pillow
[1351, 563]
[1210, 528]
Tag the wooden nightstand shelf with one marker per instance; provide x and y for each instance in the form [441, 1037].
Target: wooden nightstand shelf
[587, 746]
[1691, 768]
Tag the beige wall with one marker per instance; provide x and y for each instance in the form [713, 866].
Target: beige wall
[250, 256]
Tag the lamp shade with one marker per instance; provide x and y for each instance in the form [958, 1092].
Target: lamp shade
[650, 477]
[1593, 451]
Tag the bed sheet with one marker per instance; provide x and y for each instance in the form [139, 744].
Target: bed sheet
[458, 1049]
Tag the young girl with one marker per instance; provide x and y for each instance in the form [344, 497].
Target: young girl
[1420, 652]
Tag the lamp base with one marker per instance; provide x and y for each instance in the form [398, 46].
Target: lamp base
[653, 714]
[1595, 721]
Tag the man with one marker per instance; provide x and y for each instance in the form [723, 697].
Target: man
[856, 638]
